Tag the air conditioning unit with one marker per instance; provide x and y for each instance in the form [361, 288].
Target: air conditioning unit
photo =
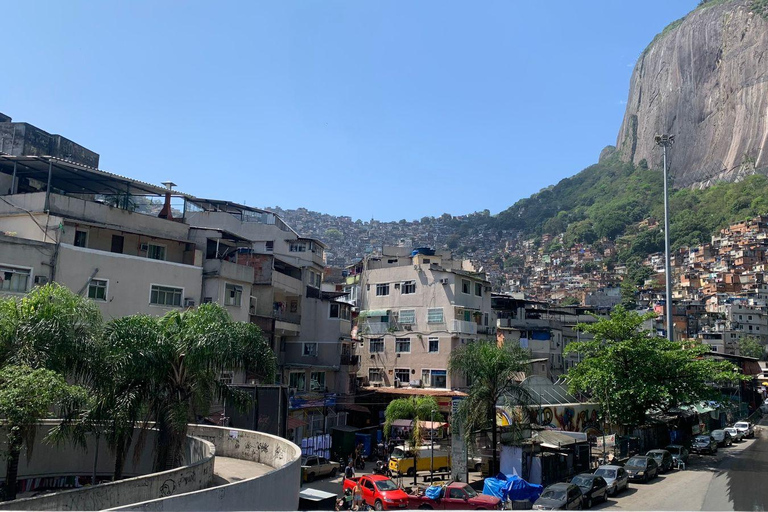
[407, 327]
[376, 384]
[444, 280]
[144, 247]
[207, 300]
[415, 383]
[189, 303]
[41, 280]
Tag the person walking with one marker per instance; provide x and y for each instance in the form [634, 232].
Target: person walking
[357, 497]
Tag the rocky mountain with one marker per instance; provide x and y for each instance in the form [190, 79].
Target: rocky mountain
[705, 80]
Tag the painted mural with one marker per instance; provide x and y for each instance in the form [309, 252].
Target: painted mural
[571, 418]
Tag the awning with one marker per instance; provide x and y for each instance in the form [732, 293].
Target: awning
[432, 425]
[354, 408]
[402, 423]
[374, 312]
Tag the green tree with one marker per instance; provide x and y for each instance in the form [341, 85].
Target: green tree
[570, 301]
[417, 408]
[51, 327]
[492, 370]
[28, 395]
[193, 348]
[750, 346]
[629, 371]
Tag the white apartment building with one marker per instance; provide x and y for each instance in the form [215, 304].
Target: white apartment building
[417, 307]
[66, 222]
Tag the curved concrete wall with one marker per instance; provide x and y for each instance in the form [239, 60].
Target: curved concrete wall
[276, 490]
[197, 473]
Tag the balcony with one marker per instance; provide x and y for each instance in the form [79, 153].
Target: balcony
[228, 270]
[485, 329]
[464, 327]
[375, 328]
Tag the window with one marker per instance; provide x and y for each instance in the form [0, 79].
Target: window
[270, 245]
[485, 320]
[227, 378]
[465, 286]
[407, 316]
[403, 374]
[81, 238]
[310, 349]
[376, 345]
[408, 287]
[375, 375]
[318, 279]
[156, 252]
[402, 345]
[434, 344]
[165, 295]
[382, 289]
[297, 247]
[434, 378]
[97, 289]
[14, 279]
[317, 381]
[233, 295]
[117, 244]
[435, 315]
[479, 289]
[334, 311]
[297, 381]
[346, 312]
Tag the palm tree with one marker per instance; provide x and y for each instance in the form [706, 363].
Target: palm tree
[194, 347]
[51, 327]
[492, 369]
[27, 395]
[416, 408]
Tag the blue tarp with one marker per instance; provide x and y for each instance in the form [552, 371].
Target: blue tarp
[511, 487]
[434, 492]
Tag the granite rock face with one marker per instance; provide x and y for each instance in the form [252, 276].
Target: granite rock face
[705, 80]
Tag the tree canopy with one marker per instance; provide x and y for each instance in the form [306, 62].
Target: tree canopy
[630, 371]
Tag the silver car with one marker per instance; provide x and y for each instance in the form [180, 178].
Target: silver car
[615, 476]
[736, 435]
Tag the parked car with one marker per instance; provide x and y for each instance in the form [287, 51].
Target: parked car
[745, 428]
[735, 434]
[594, 488]
[722, 437]
[663, 458]
[704, 444]
[642, 468]
[679, 453]
[615, 477]
[455, 496]
[560, 497]
[315, 467]
[379, 492]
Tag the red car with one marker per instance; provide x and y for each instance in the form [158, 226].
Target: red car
[456, 496]
[379, 492]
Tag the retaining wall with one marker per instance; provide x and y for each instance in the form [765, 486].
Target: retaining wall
[276, 490]
[65, 459]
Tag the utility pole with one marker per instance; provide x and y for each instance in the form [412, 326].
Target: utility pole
[666, 141]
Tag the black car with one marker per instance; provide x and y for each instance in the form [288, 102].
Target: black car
[594, 488]
[663, 459]
[560, 497]
[642, 468]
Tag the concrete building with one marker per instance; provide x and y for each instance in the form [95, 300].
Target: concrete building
[417, 307]
[72, 224]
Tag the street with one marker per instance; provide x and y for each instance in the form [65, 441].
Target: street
[733, 479]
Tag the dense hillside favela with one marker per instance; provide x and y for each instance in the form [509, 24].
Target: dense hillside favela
[296, 348]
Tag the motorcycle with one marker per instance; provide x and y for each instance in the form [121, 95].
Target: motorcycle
[360, 463]
[380, 468]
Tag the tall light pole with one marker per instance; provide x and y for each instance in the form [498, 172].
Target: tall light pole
[666, 141]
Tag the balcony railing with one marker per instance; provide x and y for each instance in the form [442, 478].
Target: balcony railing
[292, 318]
[464, 327]
[375, 328]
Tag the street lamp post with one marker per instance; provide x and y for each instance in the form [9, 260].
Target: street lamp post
[666, 141]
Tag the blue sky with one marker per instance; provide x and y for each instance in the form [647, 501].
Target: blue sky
[389, 109]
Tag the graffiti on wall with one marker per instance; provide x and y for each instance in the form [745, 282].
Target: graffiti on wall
[571, 418]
